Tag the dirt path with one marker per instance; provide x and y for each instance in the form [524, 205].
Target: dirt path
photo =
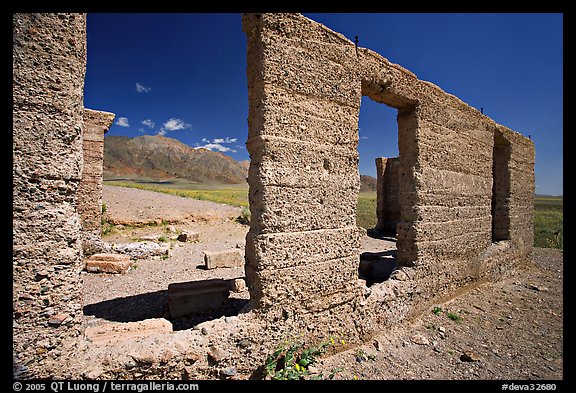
[512, 329]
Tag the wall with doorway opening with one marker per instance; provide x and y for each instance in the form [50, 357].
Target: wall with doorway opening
[459, 172]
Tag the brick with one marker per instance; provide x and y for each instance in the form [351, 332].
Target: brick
[196, 296]
[227, 259]
[108, 263]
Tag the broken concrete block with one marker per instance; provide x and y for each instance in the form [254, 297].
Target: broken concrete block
[237, 285]
[187, 236]
[115, 332]
[108, 263]
[196, 296]
[229, 258]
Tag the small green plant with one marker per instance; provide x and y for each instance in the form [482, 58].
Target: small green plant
[163, 239]
[107, 228]
[104, 208]
[454, 316]
[362, 356]
[164, 257]
[437, 310]
[334, 372]
[290, 361]
[244, 217]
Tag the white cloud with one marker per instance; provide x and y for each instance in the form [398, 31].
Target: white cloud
[214, 146]
[217, 144]
[140, 88]
[122, 122]
[224, 140]
[149, 123]
[174, 125]
[363, 137]
[162, 132]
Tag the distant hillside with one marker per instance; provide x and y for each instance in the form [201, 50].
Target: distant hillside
[161, 157]
[367, 183]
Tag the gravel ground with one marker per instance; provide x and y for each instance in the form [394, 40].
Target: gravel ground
[512, 329]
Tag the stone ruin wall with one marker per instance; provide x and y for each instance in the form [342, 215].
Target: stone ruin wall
[305, 84]
[387, 195]
[49, 63]
[305, 87]
[96, 124]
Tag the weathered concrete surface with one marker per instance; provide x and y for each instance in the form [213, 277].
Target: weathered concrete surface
[108, 263]
[49, 63]
[462, 179]
[96, 124]
[223, 259]
[196, 296]
[116, 332]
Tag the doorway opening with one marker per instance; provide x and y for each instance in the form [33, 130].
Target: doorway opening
[378, 209]
[500, 188]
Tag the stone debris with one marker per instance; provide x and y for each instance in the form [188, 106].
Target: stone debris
[399, 275]
[151, 238]
[59, 319]
[537, 288]
[229, 371]
[469, 357]
[116, 332]
[216, 355]
[140, 250]
[237, 285]
[187, 236]
[107, 263]
[196, 296]
[227, 259]
[419, 339]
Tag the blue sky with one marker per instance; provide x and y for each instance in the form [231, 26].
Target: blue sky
[184, 76]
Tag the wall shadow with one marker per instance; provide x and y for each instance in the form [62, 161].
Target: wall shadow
[130, 308]
[154, 305]
[376, 267]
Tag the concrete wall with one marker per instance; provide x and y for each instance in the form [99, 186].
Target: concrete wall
[302, 247]
[387, 195]
[49, 62]
[96, 124]
[305, 84]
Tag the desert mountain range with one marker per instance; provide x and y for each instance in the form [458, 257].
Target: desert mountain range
[160, 157]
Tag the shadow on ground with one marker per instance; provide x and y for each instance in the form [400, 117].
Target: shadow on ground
[154, 305]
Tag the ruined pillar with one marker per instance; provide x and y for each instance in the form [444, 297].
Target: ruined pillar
[96, 124]
[49, 62]
[387, 195]
[302, 248]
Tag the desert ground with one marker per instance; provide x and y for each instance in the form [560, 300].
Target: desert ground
[511, 329]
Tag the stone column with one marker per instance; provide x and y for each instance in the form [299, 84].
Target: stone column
[387, 194]
[96, 124]
[304, 96]
[49, 63]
